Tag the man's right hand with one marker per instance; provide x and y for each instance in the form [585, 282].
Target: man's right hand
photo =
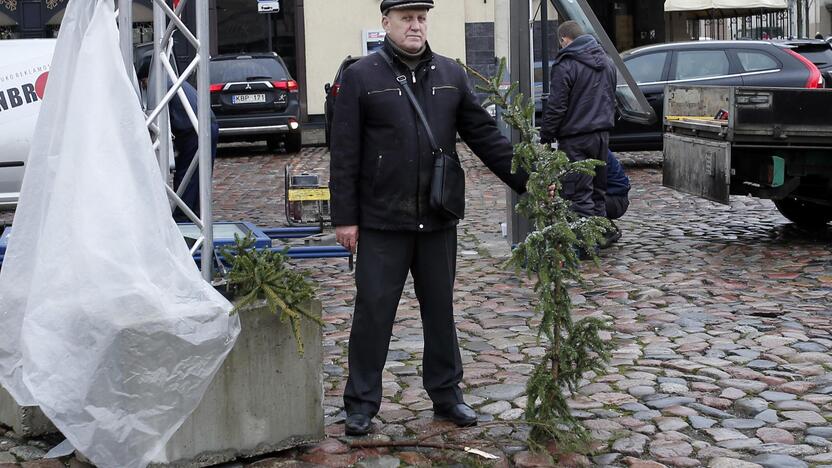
[347, 236]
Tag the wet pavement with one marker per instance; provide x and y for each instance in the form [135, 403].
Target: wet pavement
[720, 315]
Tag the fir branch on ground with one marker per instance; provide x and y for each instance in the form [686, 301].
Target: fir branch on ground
[550, 255]
[264, 275]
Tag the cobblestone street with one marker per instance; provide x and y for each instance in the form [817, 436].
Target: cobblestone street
[720, 315]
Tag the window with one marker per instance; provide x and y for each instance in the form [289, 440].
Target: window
[647, 68]
[693, 64]
[247, 69]
[819, 55]
[756, 61]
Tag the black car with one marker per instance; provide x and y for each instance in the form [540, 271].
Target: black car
[255, 98]
[817, 51]
[331, 90]
[718, 63]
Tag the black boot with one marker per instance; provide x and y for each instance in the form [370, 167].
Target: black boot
[460, 414]
[358, 424]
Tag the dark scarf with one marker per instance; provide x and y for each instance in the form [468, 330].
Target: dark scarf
[411, 60]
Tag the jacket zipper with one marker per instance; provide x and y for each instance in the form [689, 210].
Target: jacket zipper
[443, 87]
[385, 91]
[418, 169]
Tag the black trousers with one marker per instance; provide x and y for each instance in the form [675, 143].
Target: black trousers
[384, 259]
[187, 144]
[617, 205]
[586, 193]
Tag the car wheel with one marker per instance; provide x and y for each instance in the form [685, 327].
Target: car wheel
[804, 213]
[293, 142]
[273, 143]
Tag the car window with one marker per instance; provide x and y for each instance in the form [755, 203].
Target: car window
[647, 68]
[820, 56]
[225, 71]
[756, 61]
[692, 64]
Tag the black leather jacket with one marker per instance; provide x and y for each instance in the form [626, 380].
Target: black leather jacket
[381, 159]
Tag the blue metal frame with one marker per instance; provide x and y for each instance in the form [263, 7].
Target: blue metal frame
[261, 239]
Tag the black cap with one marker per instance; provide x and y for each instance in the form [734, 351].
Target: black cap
[397, 4]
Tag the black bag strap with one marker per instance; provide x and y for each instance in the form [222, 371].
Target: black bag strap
[402, 80]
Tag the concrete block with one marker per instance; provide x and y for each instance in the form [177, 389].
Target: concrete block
[27, 421]
[265, 398]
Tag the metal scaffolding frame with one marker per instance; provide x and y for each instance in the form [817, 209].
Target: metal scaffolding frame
[167, 21]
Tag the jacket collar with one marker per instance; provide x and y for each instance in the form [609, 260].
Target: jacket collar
[427, 56]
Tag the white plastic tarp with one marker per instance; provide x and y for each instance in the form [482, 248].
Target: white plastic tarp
[105, 320]
[698, 5]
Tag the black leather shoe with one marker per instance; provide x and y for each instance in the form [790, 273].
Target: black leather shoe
[358, 424]
[611, 237]
[460, 414]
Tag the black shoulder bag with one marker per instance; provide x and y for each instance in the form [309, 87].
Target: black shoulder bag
[447, 183]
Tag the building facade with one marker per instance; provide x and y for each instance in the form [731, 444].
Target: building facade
[314, 36]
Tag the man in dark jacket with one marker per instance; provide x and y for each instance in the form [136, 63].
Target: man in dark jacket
[618, 188]
[185, 141]
[617, 197]
[580, 112]
[381, 164]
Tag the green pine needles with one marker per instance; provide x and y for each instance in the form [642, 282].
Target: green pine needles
[550, 255]
[258, 275]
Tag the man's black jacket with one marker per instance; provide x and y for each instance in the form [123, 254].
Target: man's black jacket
[381, 159]
[582, 92]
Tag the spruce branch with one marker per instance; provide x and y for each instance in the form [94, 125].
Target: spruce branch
[258, 275]
[550, 255]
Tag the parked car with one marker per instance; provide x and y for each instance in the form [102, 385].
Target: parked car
[255, 98]
[718, 63]
[331, 90]
[818, 51]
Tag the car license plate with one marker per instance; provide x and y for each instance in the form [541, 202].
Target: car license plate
[248, 98]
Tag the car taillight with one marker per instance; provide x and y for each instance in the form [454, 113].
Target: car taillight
[289, 85]
[335, 89]
[215, 88]
[815, 78]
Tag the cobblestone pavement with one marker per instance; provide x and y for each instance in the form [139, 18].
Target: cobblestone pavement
[721, 320]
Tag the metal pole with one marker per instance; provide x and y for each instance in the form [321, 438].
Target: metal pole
[156, 90]
[801, 26]
[520, 70]
[125, 32]
[269, 24]
[203, 80]
[544, 49]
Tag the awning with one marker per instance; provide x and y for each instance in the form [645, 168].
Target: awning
[724, 8]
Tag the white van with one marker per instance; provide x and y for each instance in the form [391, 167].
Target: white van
[24, 69]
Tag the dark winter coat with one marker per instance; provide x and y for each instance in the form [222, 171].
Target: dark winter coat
[618, 184]
[581, 93]
[381, 159]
